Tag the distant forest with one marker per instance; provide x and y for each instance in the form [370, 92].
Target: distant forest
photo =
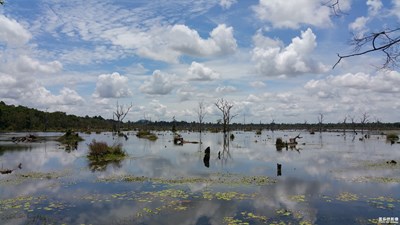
[21, 118]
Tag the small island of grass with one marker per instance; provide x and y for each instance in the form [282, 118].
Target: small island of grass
[392, 136]
[146, 134]
[70, 140]
[101, 152]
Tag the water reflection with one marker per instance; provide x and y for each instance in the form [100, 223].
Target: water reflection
[328, 164]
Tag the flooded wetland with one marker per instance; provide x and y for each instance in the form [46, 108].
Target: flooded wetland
[327, 178]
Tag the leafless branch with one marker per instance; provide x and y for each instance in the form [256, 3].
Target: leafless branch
[121, 113]
[385, 42]
[225, 107]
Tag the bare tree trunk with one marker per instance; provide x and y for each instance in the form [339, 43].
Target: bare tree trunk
[201, 113]
[320, 121]
[225, 107]
[120, 114]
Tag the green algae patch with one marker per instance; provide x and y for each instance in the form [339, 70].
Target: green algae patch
[18, 207]
[377, 179]
[305, 222]
[283, 212]
[232, 221]
[214, 179]
[43, 175]
[346, 197]
[382, 202]
[171, 193]
[298, 198]
[250, 215]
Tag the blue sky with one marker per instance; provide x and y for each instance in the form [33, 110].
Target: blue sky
[272, 59]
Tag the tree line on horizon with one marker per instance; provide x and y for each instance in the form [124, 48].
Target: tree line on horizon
[21, 118]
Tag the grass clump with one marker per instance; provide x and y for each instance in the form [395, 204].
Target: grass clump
[146, 134]
[392, 136]
[100, 151]
[70, 138]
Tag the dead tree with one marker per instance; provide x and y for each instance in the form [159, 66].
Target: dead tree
[363, 120]
[320, 121]
[353, 124]
[386, 41]
[294, 140]
[201, 113]
[344, 125]
[225, 107]
[120, 114]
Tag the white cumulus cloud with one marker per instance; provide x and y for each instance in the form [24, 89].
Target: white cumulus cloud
[274, 59]
[199, 72]
[26, 64]
[168, 43]
[12, 32]
[159, 83]
[293, 13]
[188, 41]
[112, 86]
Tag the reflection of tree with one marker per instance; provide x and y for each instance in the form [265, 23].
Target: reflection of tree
[225, 155]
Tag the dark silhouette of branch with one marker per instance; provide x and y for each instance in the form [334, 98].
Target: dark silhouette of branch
[225, 107]
[335, 7]
[385, 42]
[120, 114]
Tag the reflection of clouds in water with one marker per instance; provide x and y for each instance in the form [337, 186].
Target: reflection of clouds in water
[27, 188]
[44, 156]
[278, 196]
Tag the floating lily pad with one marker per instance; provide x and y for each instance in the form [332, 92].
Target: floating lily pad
[346, 196]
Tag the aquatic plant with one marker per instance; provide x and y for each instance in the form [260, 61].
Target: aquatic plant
[70, 140]
[392, 136]
[100, 151]
[146, 134]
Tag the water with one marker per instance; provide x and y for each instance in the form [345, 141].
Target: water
[329, 178]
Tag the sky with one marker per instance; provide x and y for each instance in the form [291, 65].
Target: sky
[271, 59]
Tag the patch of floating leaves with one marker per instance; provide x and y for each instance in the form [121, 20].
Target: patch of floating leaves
[21, 177]
[250, 215]
[346, 196]
[226, 179]
[378, 179]
[382, 202]
[298, 198]
[232, 221]
[42, 175]
[18, 207]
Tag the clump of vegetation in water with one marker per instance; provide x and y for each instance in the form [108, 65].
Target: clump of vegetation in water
[392, 136]
[100, 151]
[146, 134]
[70, 138]
[258, 132]
[280, 143]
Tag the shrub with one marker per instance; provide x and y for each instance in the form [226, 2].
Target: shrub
[146, 134]
[279, 142]
[101, 151]
[392, 136]
[70, 138]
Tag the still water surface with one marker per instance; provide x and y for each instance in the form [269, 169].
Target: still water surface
[329, 178]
